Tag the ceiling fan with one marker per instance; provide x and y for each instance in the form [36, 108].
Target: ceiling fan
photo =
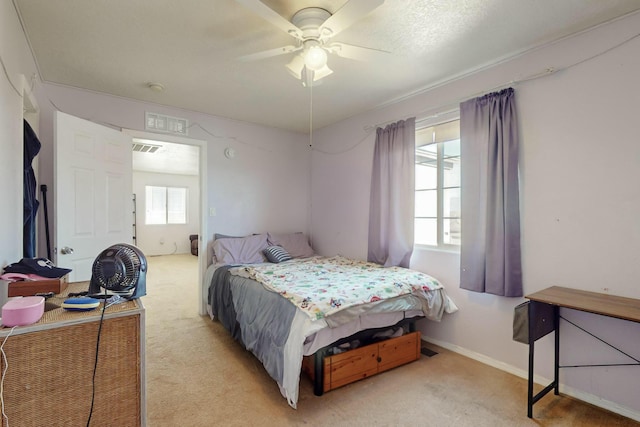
[313, 28]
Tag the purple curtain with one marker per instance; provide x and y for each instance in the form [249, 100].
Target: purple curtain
[490, 255]
[391, 210]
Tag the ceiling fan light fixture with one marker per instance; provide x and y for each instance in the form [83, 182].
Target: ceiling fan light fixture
[307, 77]
[314, 78]
[315, 58]
[322, 72]
[313, 28]
[295, 66]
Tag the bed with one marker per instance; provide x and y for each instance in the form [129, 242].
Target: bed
[282, 302]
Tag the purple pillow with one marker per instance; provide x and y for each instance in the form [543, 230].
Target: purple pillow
[245, 250]
[294, 243]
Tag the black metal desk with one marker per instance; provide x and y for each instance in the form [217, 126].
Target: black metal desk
[544, 318]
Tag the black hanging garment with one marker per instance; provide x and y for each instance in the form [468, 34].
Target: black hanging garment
[31, 148]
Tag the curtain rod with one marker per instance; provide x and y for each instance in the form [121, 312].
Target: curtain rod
[453, 106]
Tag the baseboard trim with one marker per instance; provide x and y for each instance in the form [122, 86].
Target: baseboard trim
[566, 390]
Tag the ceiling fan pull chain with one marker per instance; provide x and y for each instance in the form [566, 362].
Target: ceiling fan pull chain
[310, 116]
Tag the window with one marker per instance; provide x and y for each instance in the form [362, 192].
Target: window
[437, 217]
[165, 205]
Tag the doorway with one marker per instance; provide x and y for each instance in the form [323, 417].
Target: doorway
[177, 165]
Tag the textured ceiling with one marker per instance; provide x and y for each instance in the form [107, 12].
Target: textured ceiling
[191, 47]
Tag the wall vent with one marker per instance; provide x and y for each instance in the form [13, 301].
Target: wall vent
[162, 123]
[144, 148]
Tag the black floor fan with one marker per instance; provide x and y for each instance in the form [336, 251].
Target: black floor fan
[120, 269]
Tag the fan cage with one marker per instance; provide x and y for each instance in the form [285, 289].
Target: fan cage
[126, 263]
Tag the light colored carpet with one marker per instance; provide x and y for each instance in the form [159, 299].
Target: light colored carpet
[198, 376]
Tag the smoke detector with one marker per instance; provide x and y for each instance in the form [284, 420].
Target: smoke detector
[156, 87]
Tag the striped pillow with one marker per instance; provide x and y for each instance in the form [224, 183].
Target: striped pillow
[276, 254]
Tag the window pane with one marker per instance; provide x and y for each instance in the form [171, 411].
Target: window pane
[426, 177]
[451, 173]
[427, 203]
[451, 202]
[447, 131]
[437, 184]
[452, 148]
[451, 231]
[155, 205]
[426, 231]
[451, 163]
[424, 136]
[427, 155]
[176, 205]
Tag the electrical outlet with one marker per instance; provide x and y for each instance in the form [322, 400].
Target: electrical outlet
[212, 211]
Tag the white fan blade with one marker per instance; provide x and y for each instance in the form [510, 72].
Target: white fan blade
[359, 53]
[352, 11]
[270, 15]
[269, 53]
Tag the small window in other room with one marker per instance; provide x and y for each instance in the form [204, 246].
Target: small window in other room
[165, 205]
[437, 204]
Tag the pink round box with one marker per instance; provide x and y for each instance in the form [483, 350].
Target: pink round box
[22, 311]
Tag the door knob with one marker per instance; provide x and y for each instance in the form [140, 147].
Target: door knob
[66, 250]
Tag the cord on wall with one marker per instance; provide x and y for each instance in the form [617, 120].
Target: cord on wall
[368, 131]
[230, 138]
[175, 249]
[422, 115]
[6, 74]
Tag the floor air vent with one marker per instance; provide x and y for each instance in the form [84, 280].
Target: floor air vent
[427, 351]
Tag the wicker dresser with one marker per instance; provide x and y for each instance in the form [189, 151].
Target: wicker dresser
[48, 381]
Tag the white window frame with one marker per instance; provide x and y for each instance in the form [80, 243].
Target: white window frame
[166, 205]
[422, 124]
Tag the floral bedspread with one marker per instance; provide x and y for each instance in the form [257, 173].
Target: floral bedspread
[321, 286]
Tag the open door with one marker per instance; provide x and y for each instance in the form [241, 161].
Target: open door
[92, 192]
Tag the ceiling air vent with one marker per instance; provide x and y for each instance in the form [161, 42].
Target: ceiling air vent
[144, 148]
[167, 124]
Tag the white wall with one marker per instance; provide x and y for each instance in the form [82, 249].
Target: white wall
[17, 59]
[166, 239]
[580, 204]
[264, 188]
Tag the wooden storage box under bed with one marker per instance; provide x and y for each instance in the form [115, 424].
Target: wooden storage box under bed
[362, 362]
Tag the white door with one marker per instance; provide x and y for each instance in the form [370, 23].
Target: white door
[92, 192]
